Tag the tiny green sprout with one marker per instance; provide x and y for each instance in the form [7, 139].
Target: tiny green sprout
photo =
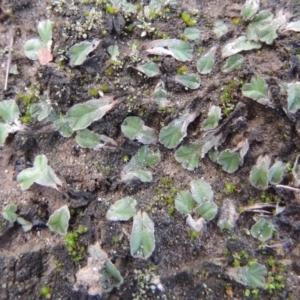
[115, 239]
[230, 188]
[46, 291]
[182, 70]
[236, 262]
[187, 19]
[125, 158]
[81, 229]
[236, 21]
[94, 92]
[289, 166]
[247, 293]
[26, 118]
[111, 9]
[104, 88]
[130, 27]
[194, 235]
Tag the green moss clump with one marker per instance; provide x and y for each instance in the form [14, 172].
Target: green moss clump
[187, 19]
[94, 92]
[111, 10]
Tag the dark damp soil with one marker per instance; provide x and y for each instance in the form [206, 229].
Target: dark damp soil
[187, 267]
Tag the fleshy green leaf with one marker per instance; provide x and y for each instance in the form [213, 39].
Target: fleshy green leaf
[142, 240]
[257, 90]
[294, 26]
[40, 173]
[268, 34]
[212, 121]
[213, 154]
[5, 129]
[171, 135]
[188, 156]
[233, 63]
[191, 81]
[135, 129]
[184, 202]
[63, 126]
[229, 160]
[263, 18]
[59, 220]
[259, 173]
[207, 210]
[79, 52]
[45, 31]
[238, 45]
[113, 51]
[135, 168]
[32, 48]
[149, 69]
[160, 97]
[275, 174]
[293, 91]
[122, 210]
[220, 28]
[111, 277]
[26, 225]
[206, 62]
[192, 33]
[201, 191]
[181, 50]
[9, 111]
[87, 139]
[9, 213]
[249, 9]
[42, 109]
[262, 230]
[253, 275]
[82, 115]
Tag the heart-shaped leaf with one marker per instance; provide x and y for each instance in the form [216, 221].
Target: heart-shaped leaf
[206, 62]
[249, 9]
[263, 18]
[9, 111]
[45, 31]
[171, 135]
[201, 191]
[262, 230]
[259, 173]
[40, 173]
[212, 121]
[233, 63]
[113, 51]
[238, 45]
[149, 69]
[192, 33]
[257, 90]
[220, 28]
[191, 81]
[9, 213]
[122, 210]
[59, 220]
[184, 202]
[82, 115]
[253, 275]
[275, 174]
[135, 129]
[188, 156]
[207, 210]
[32, 48]
[229, 160]
[142, 240]
[26, 225]
[160, 97]
[79, 52]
